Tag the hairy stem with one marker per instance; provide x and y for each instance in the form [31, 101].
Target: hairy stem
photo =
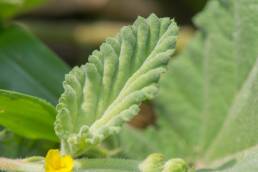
[107, 164]
[19, 165]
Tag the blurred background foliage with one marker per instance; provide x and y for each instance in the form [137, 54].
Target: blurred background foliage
[72, 29]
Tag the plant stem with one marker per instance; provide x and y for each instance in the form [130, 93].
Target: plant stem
[108, 164]
[19, 165]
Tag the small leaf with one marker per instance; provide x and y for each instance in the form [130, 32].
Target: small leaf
[27, 116]
[106, 92]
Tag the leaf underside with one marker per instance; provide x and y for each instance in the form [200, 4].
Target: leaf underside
[207, 104]
[106, 92]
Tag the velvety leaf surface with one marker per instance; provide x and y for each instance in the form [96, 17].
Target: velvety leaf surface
[245, 161]
[213, 108]
[248, 163]
[176, 126]
[106, 92]
[28, 116]
[220, 83]
[241, 117]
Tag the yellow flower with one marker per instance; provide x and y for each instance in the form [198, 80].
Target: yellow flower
[55, 162]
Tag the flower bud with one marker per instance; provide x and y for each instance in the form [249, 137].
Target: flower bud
[153, 163]
[175, 165]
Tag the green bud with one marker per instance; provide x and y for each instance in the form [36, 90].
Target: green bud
[175, 165]
[153, 163]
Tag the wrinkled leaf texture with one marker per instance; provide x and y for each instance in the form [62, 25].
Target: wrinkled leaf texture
[207, 106]
[106, 92]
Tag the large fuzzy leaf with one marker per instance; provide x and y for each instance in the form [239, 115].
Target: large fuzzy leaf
[176, 126]
[220, 78]
[246, 161]
[241, 119]
[107, 91]
[209, 96]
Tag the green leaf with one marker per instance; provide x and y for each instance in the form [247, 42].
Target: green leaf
[13, 146]
[239, 97]
[8, 8]
[208, 98]
[28, 66]
[170, 107]
[244, 161]
[106, 92]
[27, 116]
[246, 13]
[19, 49]
[220, 85]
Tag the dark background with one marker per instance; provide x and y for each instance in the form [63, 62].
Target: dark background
[73, 28]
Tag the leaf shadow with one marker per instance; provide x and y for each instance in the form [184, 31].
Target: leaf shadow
[224, 166]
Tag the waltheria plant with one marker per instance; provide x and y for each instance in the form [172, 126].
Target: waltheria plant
[102, 95]
[206, 107]
[106, 92]
[207, 104]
